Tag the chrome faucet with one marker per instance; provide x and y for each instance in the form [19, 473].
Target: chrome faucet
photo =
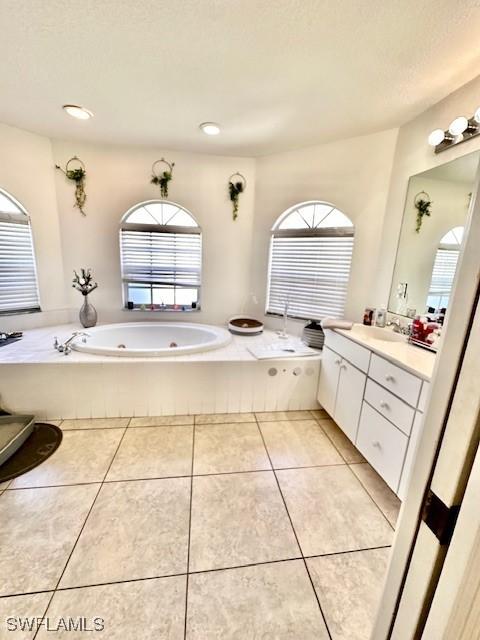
[397, 326]
[65, 348]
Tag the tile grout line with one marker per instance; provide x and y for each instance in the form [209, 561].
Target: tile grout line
[177, 575]
[296, 536]
[81, 529]
[189, 533]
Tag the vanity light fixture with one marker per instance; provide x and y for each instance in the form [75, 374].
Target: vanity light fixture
[210, 128]
[78, 112]
[459, 130]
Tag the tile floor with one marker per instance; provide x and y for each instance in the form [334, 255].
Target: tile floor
[242, 527]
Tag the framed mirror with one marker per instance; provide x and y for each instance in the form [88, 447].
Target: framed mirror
[434, 218]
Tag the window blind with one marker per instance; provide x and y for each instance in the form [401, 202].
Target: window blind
[153, 257]
[443, 272]
[311, 272]
[18, 280]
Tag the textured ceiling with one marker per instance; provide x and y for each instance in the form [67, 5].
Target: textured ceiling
[276, 74]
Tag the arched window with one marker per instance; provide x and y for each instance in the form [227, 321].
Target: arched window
[161, 254]
[444, 269]
[18, 278]
[310, 254]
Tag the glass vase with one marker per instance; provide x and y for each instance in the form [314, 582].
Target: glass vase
[88, 314]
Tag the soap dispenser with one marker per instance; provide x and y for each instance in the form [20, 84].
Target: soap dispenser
[381, 317]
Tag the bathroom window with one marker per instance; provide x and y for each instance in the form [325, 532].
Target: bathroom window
[161, 254]
[309, 268]
[444, 269]
[18, 277]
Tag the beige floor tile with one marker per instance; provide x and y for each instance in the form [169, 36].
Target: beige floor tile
[223, 448]
[135, 530]
[83, 456]
[4, 485]
[331, 511]
[348, 450]
[39, 528]
[272, 416]
[159, 421]
[349, 587]
[31, 606]
[224, 418]
[143, 610]
[298, 443]
[272, 601]
[56, 423]
[153, 452]
[381, 493]
[95, 423]
[238, 519]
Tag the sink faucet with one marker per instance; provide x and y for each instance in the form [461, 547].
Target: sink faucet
[65, 348]
[397, 326]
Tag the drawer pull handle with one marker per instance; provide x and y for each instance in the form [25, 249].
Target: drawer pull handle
[377, 444]
[384, 405]
[337, 361]
[343, 366]
[389, 378]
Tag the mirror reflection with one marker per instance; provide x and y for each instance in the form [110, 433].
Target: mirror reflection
[434, 219]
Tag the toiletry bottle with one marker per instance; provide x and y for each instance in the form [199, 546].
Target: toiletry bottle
[381, 317]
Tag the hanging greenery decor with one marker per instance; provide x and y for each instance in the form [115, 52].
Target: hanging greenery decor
[235, 188]
[422, 204]
[78, 176]
[162, 178]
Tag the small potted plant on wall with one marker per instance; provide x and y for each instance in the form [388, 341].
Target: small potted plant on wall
[76, 175]
[83, 282]
[422, 204]
[162, 178]
[237, 184]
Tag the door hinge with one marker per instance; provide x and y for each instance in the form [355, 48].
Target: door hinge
[439, 518]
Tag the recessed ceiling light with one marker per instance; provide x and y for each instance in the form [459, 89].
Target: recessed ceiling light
[210, 128]
[77, 112]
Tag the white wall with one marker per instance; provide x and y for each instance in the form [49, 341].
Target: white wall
[354, 175]
[119, 177]
[27, 172]
[413, 155]
[417, 251]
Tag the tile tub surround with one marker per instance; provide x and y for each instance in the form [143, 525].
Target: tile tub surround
[82, 386]
[216, 555]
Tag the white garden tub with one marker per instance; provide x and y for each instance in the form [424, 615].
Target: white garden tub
[137, 339]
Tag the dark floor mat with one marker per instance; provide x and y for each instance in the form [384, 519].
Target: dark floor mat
[42, 442]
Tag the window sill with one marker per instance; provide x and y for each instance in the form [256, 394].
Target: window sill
[18, 312]
[161, 310]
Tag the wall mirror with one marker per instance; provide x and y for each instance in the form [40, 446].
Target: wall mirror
[434, 218]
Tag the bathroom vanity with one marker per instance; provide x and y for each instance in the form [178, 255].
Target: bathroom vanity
[375, 386]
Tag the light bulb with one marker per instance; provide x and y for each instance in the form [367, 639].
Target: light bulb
[436, 137]
[210, 128]
[458, 126]
[77, 112]
[476, 115]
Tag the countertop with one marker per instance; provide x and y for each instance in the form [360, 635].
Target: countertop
[414, 359]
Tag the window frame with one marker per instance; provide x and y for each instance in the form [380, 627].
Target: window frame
[315, 232]
[21, 217]
[159, 228]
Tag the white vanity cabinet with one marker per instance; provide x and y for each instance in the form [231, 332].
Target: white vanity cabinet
[342, 384]
[378, 404]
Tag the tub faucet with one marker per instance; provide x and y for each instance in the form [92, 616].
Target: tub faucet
[65, 348]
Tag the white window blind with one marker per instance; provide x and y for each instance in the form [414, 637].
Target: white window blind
[443, 273]
[310, 256]
[18, 279]
[311, 273]
[161, 253]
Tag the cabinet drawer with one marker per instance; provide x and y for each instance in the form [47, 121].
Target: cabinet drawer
[403, 384]
[382, 444]
[351, 351]
[390, 406]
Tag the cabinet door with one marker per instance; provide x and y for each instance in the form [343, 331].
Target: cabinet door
[351, 386]
[329, 372]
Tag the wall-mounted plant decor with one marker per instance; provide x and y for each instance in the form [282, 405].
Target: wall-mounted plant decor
[77, 175]
[162, 178]
[237, 183]
[422, 204]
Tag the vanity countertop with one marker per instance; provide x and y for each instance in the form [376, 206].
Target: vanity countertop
[418, 361]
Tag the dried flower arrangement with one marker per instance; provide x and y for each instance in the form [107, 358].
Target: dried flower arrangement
[84, 282]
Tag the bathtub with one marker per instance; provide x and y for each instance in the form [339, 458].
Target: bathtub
[151, 339]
